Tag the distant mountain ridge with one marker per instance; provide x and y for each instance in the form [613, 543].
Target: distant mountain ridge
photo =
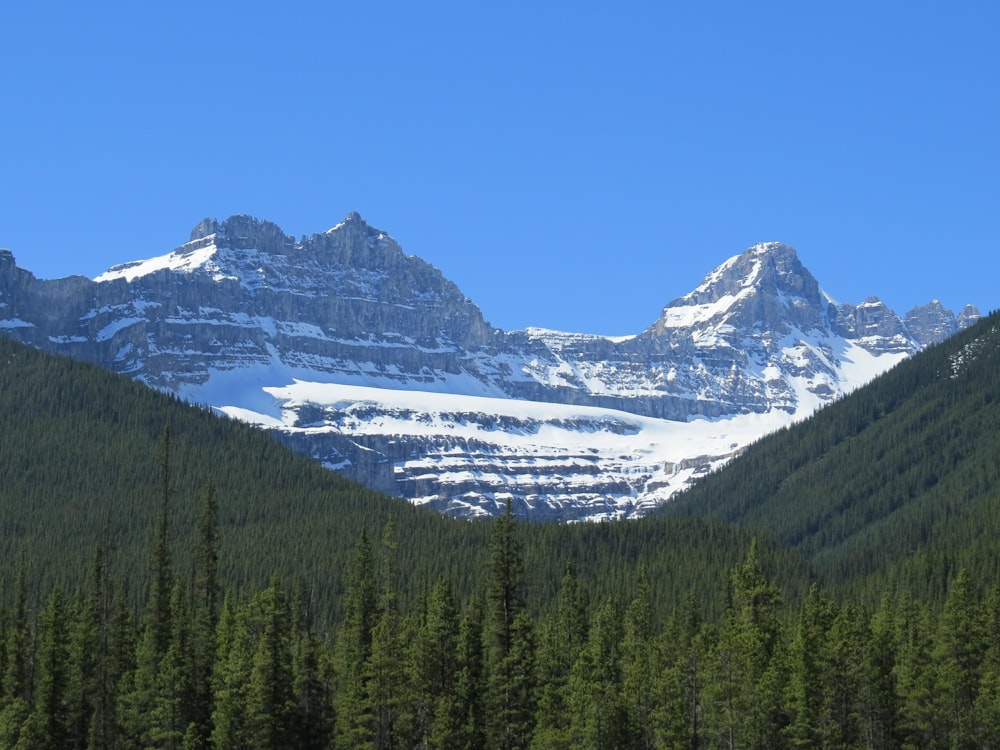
[375, 364]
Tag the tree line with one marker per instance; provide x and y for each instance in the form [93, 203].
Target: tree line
[203, 666]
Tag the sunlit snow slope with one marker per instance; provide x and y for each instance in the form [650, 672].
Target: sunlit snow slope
[375, 364]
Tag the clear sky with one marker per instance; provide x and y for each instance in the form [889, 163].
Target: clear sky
[572, 165]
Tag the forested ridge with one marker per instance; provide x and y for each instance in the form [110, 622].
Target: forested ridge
[897, 484]
[202, 666]
[173, 579]
[80, 471]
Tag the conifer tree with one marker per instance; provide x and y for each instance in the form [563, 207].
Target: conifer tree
[958, 655]
[205, 614]
[986, 709]
[509, 642]
[746, 683]
[173, 704]
[17, 676]
[352, 649]
[640, 665]
[385, 672]
[560, 641]
[88, 660]
[270, 695]
[808, 685]
[599, 713]
[50, 720]
[470, 681]
[313, 716]
[434, 670]
[231, 680]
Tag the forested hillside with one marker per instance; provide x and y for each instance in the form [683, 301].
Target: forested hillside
[897, 484]
[177, 580]
[82, 468]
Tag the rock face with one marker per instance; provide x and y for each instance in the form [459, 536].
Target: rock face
[417, 395]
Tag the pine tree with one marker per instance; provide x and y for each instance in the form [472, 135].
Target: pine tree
[17, 676]
[87, 690]
[353, 717]
[986, 709]
[205, 615]
[384, 670]
[470, 681]
[270, 695]
[598, 707]
[561, 639]
[231, 680]
[509, 643]
[50, 719]
[173, 702]
[313, 715]
[810, 672]
[958, 655]
[640, 665]
[745, 701]
[434, 670]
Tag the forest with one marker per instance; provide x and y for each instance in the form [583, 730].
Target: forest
[202, 666]
[176, 580]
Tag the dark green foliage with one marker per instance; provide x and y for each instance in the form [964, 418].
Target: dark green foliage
[695, 642]
[80, 471]
[894, 485]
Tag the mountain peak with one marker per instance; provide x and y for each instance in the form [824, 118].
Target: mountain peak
[764, 285]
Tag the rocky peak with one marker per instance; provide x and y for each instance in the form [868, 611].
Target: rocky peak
[242, 232]
[766, 287]
[930, 323]
[204, 228]
[7, 263]
[354, 243]
[970, 314]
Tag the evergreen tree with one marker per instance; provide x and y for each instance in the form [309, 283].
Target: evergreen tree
[809, 691]
[509, 642]
[173, 704]
[353, 717]
[231, 680]
[205, 615]
[470, 682]
[50, 719]
[385, 673]
[986, 709]
[640, 666]
[561, 639]
[88, 690]
[958, 655]
[850, 679]
[599, 714]
[745, 702]
[313, 716]
[270, 694]
[17, 677]
[434, 665]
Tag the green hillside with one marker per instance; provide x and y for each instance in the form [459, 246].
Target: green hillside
[79, 470]
[340, 618]
[898, 483]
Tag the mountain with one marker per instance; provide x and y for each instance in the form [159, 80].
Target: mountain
[82, 470]
[893, 486]
[373, 363]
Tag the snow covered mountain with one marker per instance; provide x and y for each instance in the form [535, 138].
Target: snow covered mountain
[373, 363]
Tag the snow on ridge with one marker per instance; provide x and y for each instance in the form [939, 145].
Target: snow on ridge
[551, 336]
[659, 439]
[178, 260]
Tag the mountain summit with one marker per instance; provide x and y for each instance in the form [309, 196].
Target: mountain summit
[374, 363]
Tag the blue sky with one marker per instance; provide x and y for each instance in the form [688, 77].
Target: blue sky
[569, 165]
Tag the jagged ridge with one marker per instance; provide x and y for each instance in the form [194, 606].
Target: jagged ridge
[241, 312]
